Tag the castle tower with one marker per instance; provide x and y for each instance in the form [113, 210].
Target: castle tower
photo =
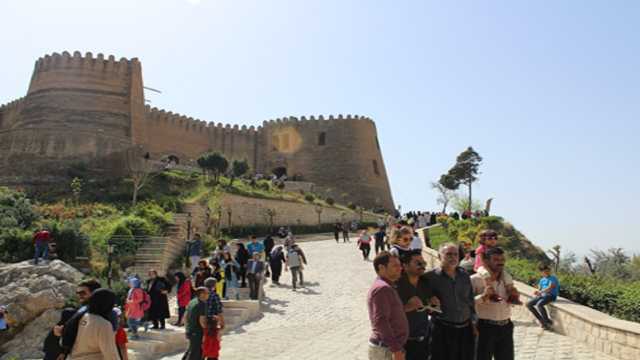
[341, 155]
[77, 108]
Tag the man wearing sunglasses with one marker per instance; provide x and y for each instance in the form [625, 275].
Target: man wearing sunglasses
[415, 296]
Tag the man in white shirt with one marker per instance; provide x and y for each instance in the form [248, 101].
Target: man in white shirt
[495, 328]
[416, 242]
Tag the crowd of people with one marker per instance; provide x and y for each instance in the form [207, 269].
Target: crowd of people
[96, 329]
[450, 312]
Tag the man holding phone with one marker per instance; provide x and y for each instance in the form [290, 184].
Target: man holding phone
[415, 298]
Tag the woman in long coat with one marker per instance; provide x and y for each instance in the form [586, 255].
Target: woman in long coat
[275, 262]
[230, 268]
[158, 287]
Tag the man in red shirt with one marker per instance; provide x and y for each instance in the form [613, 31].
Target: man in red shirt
[41, 241]
[389, 326]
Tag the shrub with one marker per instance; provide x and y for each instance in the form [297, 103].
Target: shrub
[330, 201]
[70, 241]
[351, 206]
[309, 197]
[16, 209]
[15, 244]
[154, 213]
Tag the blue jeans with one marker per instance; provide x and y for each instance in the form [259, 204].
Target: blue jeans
[536, 306]
[133, 325]
[42, 250]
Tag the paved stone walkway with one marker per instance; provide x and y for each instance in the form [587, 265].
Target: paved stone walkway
[328, 318]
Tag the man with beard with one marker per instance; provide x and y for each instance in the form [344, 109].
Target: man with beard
[495, 340]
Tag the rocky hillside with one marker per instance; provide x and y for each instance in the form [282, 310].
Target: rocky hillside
[34, 295]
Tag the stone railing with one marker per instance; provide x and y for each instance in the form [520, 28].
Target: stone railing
[601, 332]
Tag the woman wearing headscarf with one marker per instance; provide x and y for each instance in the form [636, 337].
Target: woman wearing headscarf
[96, 338]
[134, 308]
[276, 259]
[230, 267]
[242, 258]
[183, 289]
[52, 346]
[158, 287]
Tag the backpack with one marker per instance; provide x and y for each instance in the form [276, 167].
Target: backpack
[146, 301]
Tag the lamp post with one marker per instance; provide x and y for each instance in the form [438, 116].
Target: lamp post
[110, 248]
[189, 226]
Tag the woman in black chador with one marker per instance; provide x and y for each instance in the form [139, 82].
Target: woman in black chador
[158, 287]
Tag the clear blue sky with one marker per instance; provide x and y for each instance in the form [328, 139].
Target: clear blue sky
[547, 92]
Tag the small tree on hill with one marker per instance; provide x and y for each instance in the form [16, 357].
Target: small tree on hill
[464, 172]
[139, 168]
[238, 169]
[213, 163]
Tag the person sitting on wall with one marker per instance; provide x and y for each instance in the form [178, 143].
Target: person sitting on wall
[548, 290]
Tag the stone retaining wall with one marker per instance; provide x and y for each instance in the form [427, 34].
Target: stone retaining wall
[599, 331]
[248, 211]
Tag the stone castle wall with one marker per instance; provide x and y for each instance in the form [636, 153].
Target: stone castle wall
[86, 108]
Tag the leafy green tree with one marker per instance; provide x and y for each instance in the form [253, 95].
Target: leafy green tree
[464, 172]
[213, 163]
[238, 168]
[461, 203]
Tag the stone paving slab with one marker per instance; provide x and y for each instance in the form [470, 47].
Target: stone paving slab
[328, 318]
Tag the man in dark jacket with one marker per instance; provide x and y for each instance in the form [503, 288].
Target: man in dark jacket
[255, 269]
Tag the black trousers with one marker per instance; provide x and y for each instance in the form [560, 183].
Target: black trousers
[337, 236]
[450, 343]
[345, 236]
[366, 249]
[379, 247]
[417, 350]
[161, 322]
[495, 342]
[254, 283]
[243, 276]
[194, 351]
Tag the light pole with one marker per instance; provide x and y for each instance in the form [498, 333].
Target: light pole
[188, 226]
[110, 248]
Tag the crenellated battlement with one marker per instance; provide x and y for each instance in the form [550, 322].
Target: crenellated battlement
[312, 120]
[13, 105]
[86, 62]
[190, 124]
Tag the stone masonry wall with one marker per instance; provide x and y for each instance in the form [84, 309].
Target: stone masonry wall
[246, 211]
[85, 108]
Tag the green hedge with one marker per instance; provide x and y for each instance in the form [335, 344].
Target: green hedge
[617, 298]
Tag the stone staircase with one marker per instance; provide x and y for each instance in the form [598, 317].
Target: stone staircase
[156, 343]
[158, 253]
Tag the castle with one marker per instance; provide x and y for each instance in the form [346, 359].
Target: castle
[85, 108]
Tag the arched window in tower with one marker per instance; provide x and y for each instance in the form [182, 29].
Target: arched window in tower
[322, 138]
[375, 168]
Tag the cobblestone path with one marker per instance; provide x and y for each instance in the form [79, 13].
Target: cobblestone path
[328, 318]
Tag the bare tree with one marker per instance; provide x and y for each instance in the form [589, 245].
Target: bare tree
[139, 168]
[555, 253]
[444, 195]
